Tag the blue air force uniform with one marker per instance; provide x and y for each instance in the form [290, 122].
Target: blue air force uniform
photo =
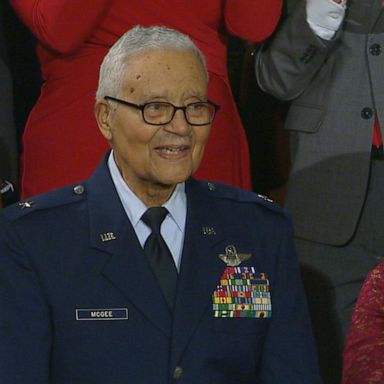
[79, 303]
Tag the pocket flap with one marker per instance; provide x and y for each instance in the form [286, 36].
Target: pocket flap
[304, 118]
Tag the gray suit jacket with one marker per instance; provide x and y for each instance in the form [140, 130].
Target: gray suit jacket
[8, 148]
[335, 87]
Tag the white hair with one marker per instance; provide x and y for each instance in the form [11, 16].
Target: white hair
[133, 43]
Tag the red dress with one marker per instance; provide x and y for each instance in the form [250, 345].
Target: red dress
[62, 143]
[364, 348]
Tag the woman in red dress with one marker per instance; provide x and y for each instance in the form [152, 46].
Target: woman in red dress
[61, 142]
[364, 348]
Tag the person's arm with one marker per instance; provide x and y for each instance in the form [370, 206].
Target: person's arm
[25, 324]
[287, 64]
[252, 20]
[289, 354]
[61, 25]
[363, 354]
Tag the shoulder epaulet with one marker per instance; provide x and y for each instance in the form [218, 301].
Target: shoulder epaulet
[219, 190]
[63, 196]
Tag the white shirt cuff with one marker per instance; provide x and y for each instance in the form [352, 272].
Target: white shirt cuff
[325, 17]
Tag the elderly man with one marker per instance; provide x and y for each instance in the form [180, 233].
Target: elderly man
[93, 291]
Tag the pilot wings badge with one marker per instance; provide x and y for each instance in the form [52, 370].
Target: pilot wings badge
[232, 258]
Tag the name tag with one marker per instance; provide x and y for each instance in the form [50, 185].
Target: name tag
[102, 314]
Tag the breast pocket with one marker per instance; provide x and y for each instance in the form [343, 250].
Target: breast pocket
[240, 326]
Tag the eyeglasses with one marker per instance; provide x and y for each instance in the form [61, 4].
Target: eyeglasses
[160, 113]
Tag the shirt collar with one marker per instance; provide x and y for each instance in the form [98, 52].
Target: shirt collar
[135, 208]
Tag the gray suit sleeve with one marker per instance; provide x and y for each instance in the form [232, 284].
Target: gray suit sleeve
[287, 63]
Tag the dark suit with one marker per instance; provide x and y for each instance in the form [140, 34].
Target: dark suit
[75, 251]
[336, 87]
[8, 147]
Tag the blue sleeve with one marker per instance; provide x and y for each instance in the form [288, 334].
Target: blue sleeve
[25, 329]
[289, 350]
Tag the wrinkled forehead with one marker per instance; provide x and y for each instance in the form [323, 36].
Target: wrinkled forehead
[156, 53]
[165, 70]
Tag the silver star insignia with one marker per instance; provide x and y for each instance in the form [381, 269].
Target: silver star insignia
[26, 204]
[232, 258]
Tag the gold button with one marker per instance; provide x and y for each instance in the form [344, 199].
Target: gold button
[178, 373]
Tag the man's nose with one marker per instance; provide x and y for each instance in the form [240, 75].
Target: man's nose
[179, 123]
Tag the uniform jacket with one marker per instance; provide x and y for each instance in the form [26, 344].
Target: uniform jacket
[73, 251]
[336, 87]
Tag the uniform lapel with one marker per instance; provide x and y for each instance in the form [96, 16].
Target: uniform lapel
[126, 268]
[201, 267]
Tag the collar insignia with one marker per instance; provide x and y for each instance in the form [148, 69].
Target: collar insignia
[209, 231]
[108, 236]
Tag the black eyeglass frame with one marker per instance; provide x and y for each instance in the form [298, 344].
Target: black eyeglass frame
[141, 107]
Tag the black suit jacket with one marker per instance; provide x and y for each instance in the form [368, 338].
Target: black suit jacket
[8, 147]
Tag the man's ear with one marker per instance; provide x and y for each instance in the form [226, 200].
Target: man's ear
[103, 116]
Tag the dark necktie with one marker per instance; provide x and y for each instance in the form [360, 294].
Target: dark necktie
[158, 253]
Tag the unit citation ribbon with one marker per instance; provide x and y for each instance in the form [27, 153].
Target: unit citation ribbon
[242, 293]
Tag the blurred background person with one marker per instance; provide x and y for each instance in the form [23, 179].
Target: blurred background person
[8, 140]
[262, 116]
[327, 58]
[73, 37]
[363, 361]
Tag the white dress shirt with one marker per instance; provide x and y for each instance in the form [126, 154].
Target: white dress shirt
[173, 226]
[325, 17]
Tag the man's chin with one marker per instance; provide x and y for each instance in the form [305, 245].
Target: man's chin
[174, 177]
